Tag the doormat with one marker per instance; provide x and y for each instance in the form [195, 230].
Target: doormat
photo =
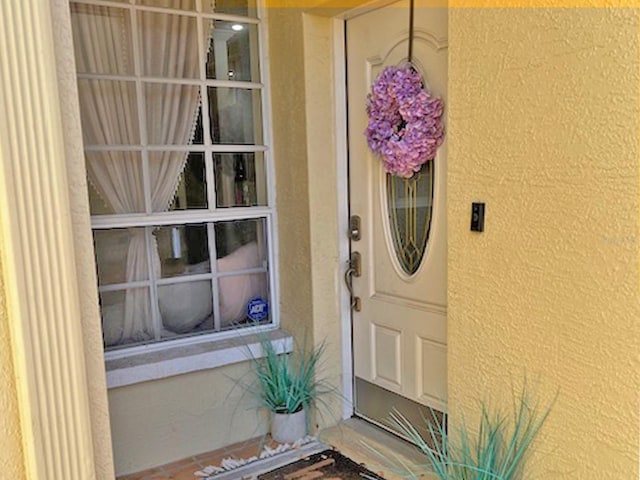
[327, 465]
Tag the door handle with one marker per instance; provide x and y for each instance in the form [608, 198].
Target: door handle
[353, 270]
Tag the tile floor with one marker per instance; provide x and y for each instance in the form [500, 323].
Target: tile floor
[185, 469]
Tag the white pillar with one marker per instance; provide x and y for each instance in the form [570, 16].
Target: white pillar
[39, 267]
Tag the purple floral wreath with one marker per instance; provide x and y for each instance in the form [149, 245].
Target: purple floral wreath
[405, 126]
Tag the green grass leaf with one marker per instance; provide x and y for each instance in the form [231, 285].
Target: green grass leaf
[498, 450]
[288, 382]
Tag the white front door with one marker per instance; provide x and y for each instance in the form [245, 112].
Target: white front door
[399, 334]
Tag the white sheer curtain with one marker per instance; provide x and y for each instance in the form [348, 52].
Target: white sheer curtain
[109, 109]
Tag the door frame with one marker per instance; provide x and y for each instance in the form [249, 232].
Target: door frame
[339, 51]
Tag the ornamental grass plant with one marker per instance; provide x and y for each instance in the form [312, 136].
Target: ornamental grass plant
[498, 450]
[287, 382]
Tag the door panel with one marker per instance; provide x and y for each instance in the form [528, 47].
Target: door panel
[400, 332]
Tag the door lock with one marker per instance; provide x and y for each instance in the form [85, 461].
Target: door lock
[354, 228]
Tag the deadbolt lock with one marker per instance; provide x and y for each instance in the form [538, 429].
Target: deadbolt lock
[354, 228]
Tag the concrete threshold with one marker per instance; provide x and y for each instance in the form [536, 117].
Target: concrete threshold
[378, 450]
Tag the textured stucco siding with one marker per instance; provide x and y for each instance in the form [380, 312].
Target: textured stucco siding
[11, 455]
[158, 422]
[289, 152]
[543, 127]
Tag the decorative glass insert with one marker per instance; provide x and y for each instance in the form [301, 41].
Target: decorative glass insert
[410, 205]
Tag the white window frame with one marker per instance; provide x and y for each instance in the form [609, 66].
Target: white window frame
[211, 214]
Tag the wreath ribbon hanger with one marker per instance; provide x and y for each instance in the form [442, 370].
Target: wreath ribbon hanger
[411, 19]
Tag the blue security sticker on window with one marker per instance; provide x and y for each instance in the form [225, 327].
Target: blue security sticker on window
[257, 309]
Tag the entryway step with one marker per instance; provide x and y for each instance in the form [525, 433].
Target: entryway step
[359, 440]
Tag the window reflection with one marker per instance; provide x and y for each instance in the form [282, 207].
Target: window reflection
[233, 54]
[240, 179]
[235, 115]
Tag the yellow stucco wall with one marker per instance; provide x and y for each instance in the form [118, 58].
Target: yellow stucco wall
[326, 209]
[543, 127]
[290, 157]
[157, 422]
[304, 154]
[11, 455]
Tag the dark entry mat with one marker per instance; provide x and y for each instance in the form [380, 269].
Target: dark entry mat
[328, 465]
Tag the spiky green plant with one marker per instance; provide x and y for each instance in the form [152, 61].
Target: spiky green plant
[498, 450]
[287, 383]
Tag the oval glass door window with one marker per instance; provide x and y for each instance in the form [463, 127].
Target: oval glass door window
[410, 205]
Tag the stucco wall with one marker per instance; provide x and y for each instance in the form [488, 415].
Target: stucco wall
[543, 127]
[157, 422]
[11, 455]
[326, 209]
[290, 157]
[304, 151]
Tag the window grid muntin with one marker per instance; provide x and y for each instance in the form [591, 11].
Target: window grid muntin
[217, 148]
[112, 287]
[209, 148]
[153, 277]
[174, 81]
[179, 217]
[199, 13]
[213, 259]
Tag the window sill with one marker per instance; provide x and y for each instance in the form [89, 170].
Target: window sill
[183, 359]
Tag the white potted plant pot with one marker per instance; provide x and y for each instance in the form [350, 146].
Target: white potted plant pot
[289, 427]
